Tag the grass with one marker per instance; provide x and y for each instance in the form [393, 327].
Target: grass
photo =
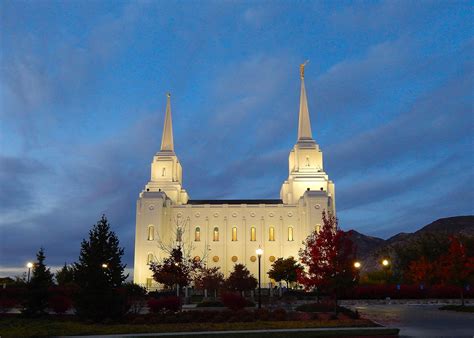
[458, 308]
[14, 326]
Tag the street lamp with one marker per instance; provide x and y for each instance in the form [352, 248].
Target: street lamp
[357, 265]
[259, 254]
[385, 262]
[104, 266]
[29, 265]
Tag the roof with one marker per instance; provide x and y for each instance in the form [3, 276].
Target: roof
[194, 202]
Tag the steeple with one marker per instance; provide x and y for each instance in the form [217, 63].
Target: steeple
[304, 124]
[167, 138]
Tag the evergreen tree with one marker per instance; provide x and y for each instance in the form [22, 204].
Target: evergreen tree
[241, 279]
[37, 293]
[65, 275]
[99, 273]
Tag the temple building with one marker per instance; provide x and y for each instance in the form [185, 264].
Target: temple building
[226, 232]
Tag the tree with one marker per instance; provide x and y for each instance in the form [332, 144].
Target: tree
[175, 270]
[99, 273]
[240, 279]
[328, 257]
[457, 268]
[65, 275]
[37, 293]
[285, 269]
[422, 271]
[210, 279]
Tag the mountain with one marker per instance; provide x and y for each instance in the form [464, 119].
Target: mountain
[371, 249]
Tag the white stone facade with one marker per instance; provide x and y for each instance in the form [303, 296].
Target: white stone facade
[226, 232]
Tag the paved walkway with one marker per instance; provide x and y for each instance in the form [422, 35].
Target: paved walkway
[420, 320]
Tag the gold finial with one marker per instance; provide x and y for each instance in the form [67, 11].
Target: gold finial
[168, 94]
[302, 69]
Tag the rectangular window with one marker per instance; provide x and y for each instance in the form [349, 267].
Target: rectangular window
[290, 234]
[234, 234]
[253, 234]
[271, 234]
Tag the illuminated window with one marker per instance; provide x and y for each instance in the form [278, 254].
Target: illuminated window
[151, 232]
[318, 228]
[234, 234]
[271, 234]
[197, 234]
[216, 234]
[290, 234]
[253, 234]
[179, 234]
[149, 282]
[149, 258]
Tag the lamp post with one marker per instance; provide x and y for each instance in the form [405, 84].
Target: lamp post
[385, 264]
[357, 265]
[104, 266]
[259, 254]
[29, 265]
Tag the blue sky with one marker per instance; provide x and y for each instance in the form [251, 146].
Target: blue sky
[83, 87]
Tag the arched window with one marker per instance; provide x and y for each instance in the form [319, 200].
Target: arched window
[216, 234]
[253, 234]
[151, 233]
[290, 234]
[179, 234]
[234, 234]
[149, 258]
[197, 234]
[318, 228]
[271, 234]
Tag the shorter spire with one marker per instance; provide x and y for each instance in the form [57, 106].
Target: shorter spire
[304, 123]
[167, 138]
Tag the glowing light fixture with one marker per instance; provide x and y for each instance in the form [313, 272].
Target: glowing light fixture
[357, 265]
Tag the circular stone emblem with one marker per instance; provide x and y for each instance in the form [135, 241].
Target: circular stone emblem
[253, 258]
[252, 214]
[216, 214]
[234, 214]
[234, 259]
[290, 214]
[179, 214]
[197, 214]
[197, 259]
[151, 207]
[215, 259]
[271, 214]
[272, 258]
[317, 206]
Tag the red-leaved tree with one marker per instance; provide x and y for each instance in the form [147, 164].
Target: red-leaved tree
[422, 271]
[328, 258]
[457, 268]
[210, 279]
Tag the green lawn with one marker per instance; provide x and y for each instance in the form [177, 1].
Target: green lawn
[23, 327]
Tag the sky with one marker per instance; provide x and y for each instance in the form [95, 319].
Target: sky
[83, 92]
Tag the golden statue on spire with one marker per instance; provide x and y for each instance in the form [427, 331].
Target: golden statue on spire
[302, 69]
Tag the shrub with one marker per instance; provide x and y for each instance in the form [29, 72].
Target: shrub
[60, 303]
[316, 307]
[233, 301]
[279, 314]
[171, 303]
[262, 314]
[10, 297]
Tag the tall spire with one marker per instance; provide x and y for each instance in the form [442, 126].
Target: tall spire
[167, 139]
[304, 124]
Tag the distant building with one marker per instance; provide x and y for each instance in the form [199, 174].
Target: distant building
[226, 232]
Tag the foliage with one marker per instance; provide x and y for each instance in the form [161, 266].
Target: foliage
[175, 270]
[285, 269]
[60, 303]
[65, 275]
[458, 308]
[328, 258]
[11, 297]
[136, 297]
[457, 268]
[233, 301]
[210, 303]
[171, 303]
[240, 279]
[99, 274]
[279, 314]
[210, 279]
[37, 292]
